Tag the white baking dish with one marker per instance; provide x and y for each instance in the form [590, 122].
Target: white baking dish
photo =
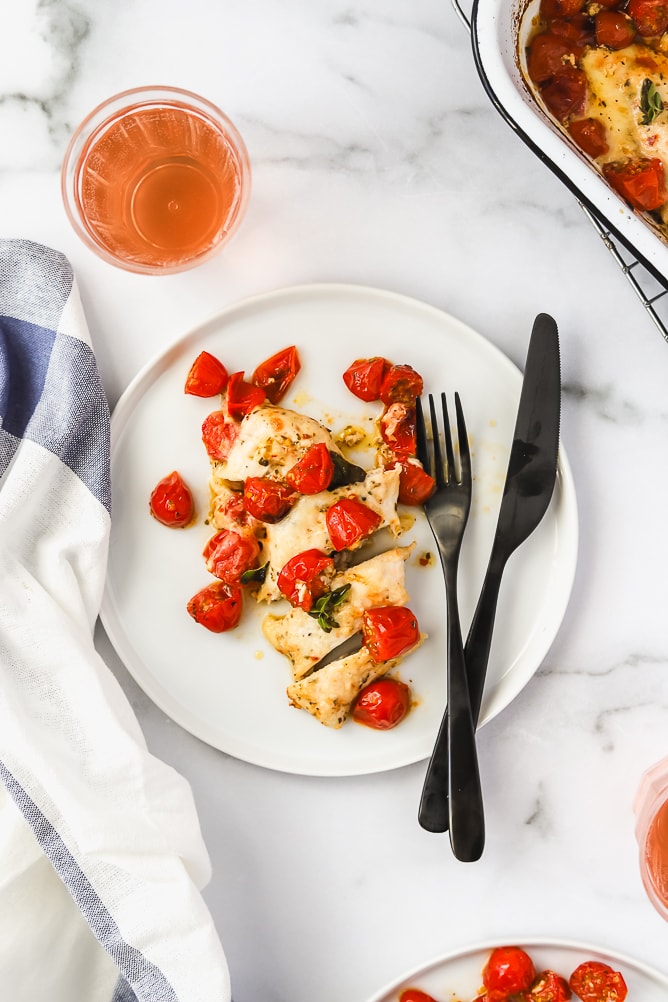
[498, 31]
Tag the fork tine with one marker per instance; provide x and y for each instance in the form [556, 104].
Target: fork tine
[451, 473]
[422, 447]
[438, 473]
[464, 451]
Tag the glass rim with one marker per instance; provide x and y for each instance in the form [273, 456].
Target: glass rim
[108, 111]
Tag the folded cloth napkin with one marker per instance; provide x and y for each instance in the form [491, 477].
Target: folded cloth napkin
[101, 854]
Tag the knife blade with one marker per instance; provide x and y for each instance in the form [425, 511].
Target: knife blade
[528, 489]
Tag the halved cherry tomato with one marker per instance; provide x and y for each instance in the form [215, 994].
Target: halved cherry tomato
[550, 9]
[389, 630]
[349, 521]
[219, 435]
[549, 987]
[207, 376]
[415, 484]
[397, 428]
[415, 995]
[382, 705]
[589, 134]
[218, 607]
[650, 16]
[548, 55]
[267, 500]
[365, 376]
[401, 384]
[305, 577]
[171, 502]
[228, 554]
[614, 29]
[313, 472]
[275, 374]
[594, 981]
[640, 181]
[242, 397]
[508, 969]
[565, 94]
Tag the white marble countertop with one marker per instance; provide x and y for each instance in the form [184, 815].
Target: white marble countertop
[378, 160]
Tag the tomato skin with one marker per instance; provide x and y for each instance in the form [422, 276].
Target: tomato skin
[547, 56]
[415, 484]
[549, 987]
[551, 9]
[267, 500]
[640, 181]
[228, 554]
[276, 373]
[578, 31]
[242, 397]
[207, 376]
[401, 384]
[397, 428]
[650, 16]
[217, 607]
[594, 981]
[389, 630]
[313, 472]
[415, 995]
[566, 92]
[365, 376]
[219, 435]
[304, 578]
[382, 705]
[349, 521]
[508, 969]
[614, 29]
[171, 502]
[589, 134]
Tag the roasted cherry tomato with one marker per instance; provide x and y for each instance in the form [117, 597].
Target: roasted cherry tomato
[305, 577]
[551, 9]
[397, 428]
[242, 397]
[218, 607]
[415, 995]
[275, 374]
[589, 134]
[348, 521]
[207, 376]
[382, 705]
[171, 502]
[649, 16]
[565, 93]
[549, 987]
[614, 29]
[640, 181]
[313, 472]
[578, 31]
[401, 384]
[415, 484]
[547, 56]
[597, 982]
[267, 500]
[508, 969]
[389, 631]
[365, 376]
[219, 435]
[228, 554]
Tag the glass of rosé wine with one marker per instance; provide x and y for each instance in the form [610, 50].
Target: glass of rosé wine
[651, 811]
[156, 179]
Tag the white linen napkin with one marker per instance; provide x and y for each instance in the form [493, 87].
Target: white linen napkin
[101, 854]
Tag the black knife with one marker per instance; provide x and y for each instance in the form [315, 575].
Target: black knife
[530, 480]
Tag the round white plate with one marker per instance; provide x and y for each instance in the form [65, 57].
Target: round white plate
[229, 689]
[458, 975]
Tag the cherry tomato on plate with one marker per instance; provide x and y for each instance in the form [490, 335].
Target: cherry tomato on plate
[229, 554]
[401, 384]
[614, 29]
[508, 969]
[349, 521]
[415, 485]
[242, 397]
[650, 16]
[382, 705]
[171, 502]
[589, 134]
[365, 376]
[305, 577]
[313, 472]
[565, 93]
[267, 500]
[207, 376]
[217, 607]
[640, 181]
[275, 374]
[219, 435]
[389, 630]
[549, 987]
[415, 995]
[397, 428]
[594, 981]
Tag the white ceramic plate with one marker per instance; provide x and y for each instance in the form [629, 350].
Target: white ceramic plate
[229, 689]
[458, 975]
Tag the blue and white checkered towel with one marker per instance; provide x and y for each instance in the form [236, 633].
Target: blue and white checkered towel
[99, 841]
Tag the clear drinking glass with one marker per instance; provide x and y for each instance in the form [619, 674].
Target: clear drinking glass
[651, 810]
[156, 180]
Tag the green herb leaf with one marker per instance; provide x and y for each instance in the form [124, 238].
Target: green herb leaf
[323, 610]
[254, 574]
[651, 104]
